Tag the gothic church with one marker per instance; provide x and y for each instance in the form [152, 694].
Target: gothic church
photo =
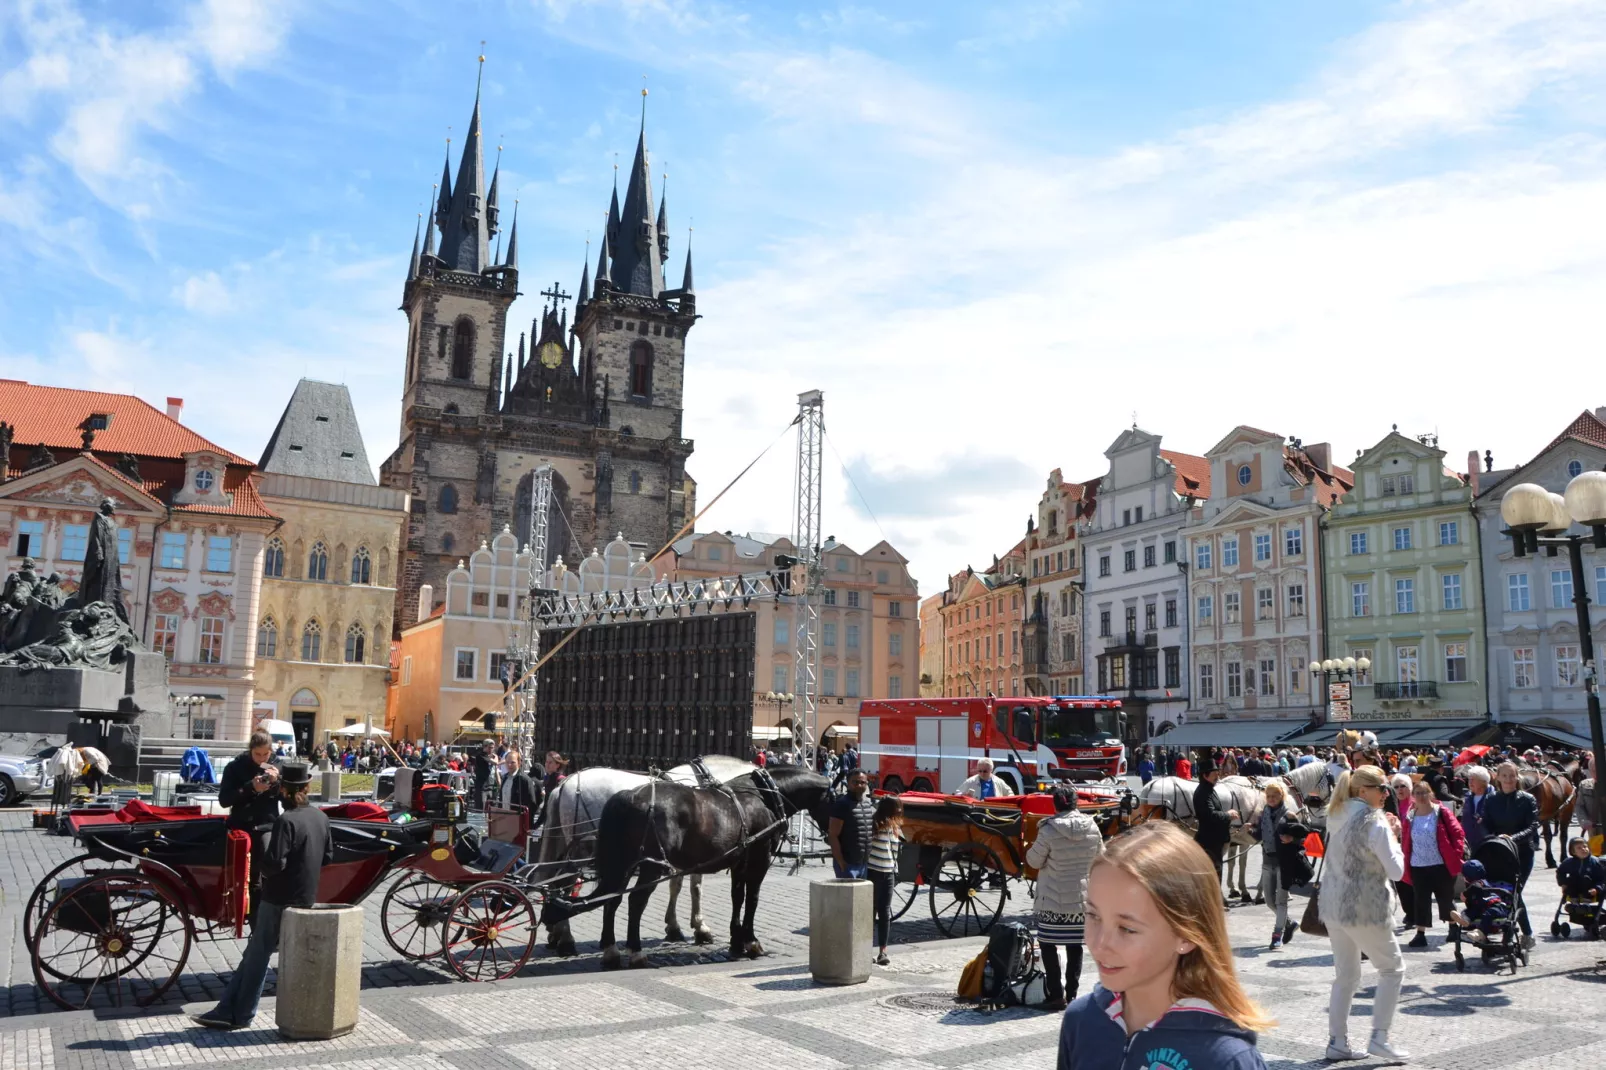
[599, 399]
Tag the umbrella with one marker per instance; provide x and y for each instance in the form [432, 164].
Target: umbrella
[1469, 755]
[359, 730]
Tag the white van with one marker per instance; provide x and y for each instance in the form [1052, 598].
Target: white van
[284, 736]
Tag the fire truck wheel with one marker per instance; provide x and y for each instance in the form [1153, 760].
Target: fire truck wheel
[922, 784]
[892, 785]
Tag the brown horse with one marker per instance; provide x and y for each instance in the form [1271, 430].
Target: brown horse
[1552, 788]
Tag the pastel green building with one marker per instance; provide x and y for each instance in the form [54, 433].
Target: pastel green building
[1401, 554]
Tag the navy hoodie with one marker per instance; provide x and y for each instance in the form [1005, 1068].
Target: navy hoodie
[1192, 1035]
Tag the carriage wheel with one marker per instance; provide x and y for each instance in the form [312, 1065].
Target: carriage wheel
[968, 890]
[903, 897]
[117, 933]
[413, 914]
[490, 932]
[43, 892]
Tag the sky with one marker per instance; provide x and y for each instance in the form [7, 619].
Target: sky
[993, 234]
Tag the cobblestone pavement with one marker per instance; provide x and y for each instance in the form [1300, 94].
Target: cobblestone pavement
[705, 1011]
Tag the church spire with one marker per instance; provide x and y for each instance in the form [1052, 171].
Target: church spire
[465, 236]
[610, 230]
[686, 286]
[583, 294]
[638, 264]
[443, 203]
[663, 222]
[512, 260]
[604, 279]
[429, 241]
[492, 212]
[412, 262]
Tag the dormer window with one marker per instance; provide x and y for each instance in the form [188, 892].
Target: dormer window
[204, 480]
[321, 419]
[99, 421]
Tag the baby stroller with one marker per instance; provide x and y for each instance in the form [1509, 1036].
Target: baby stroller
[1580, 911]
[1494, 931]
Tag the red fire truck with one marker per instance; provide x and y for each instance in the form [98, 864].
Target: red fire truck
[933, 744]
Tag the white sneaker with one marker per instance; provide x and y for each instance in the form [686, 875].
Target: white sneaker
[1528, 942]
[1338, 1050]
[1381, 1048]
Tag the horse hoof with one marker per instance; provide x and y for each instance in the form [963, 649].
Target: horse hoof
[755, 950]
[674, 936]
[703, 936]
[639, 961]
[565, 948]
[610, 958]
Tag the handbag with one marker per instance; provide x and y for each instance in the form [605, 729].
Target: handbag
[1310, 922]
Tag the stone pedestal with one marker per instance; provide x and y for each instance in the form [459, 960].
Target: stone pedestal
[320, 972]
[85, 691]
[841, 922]
[330, 779]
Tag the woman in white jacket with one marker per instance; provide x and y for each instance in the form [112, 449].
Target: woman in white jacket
[1062, 853]
[1356, 903]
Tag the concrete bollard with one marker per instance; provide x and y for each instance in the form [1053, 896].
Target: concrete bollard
[331, 785]
[320, 972]
[841, 919]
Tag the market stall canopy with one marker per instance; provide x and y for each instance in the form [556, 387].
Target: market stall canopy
[1234, 733]
[772, 733]
[359, 730]
[1434, 732]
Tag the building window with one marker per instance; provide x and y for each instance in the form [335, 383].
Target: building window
[407, 671]
[30, 538]
[203, 727]
[1360, 599]
[1229, 553]
[1357, 542]
[1402, 538]
[1455, 663]
[1104, 564]
[1451, 586]
[74, 541]
[173, 544]
[1517, 599]
[219, 553]
[318, 562]
[641, 370]
[1245, 474]
[1126, 517]
[1407, 664]
[894, 609]
[1405, 596]
[1567, 664]
[882, 576]
[635, 482]
[1169, 557]
[1231, 606]
[463, 349]
[273, 560]
[1389, 489]
[1363, 677]
[1201, 557]
[1265, 603]
[783, 630]
[467, 662]
[853, 683]
[312, 641]
[1574, 468]
[1296, 679]
[1296, 599]
[267, 639]
[1207, 608]
[1262, 547]
[493, 669]
[1149, 616]
[1118, 671]
[895, 687]
[1235, 679]
[1522, 667]
[852, 637]
[828, 681]
[1068, 646]
[828, 634]
[1131, 619]
[853, 600]
[356, 640]
[1148, 557]
[1293, 542]
[361, 566]
[446, 501]
[1407, 484]
[1170, 612]
[211, 640]
[164, 635]
[1129, 561]
[842, 564]
[830, 597]
[448, 541]
[1268, 676]
[1561, 588]
[1207, 681]
[894, 644]
[1104, 623]
[1173, 667]
[1449, 533]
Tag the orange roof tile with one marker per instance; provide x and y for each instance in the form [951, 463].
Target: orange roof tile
[1193, 473]
[1587, 428]
[54, 416]
[246, 503]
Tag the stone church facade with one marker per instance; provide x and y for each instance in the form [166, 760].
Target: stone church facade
[599, 399]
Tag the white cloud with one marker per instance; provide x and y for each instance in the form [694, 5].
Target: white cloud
[205, 293]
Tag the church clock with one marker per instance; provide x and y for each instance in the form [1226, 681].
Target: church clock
[551, 354]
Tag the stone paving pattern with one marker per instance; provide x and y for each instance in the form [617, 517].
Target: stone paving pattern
[705, 1011]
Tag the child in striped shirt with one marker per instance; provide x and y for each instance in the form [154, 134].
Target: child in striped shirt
[885, 836]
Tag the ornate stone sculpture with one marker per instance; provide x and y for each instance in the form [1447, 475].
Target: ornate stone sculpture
[102, 580]
[7, 434]
[92, 637]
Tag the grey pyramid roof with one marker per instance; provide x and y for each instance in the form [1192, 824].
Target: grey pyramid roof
[465, 234]
[318, 436]
[637, 260]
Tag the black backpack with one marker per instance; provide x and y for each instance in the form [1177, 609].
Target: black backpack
[1011, 965]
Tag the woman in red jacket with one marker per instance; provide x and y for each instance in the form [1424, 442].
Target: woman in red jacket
[1434, 845]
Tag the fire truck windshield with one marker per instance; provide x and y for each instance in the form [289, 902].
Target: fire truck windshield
[1071, 726]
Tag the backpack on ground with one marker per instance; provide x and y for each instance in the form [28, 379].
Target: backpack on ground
[970, 978]
[1011, 976]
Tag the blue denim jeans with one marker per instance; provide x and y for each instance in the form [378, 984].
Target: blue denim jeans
[856, 872]
[244, 990]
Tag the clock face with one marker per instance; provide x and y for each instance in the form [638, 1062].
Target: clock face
[551, 354]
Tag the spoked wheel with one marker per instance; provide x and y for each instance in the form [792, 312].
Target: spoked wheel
[117, 933]
[968, 890]
[904, 896]
[413, 915]
[490, 932]
[45, 892]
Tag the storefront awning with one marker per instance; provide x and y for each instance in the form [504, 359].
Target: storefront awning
[1559, 736]
[771, 733]
[1229, 733]
[1435, 732]
[842, 730]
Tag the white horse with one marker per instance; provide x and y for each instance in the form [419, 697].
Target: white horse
[569, 838]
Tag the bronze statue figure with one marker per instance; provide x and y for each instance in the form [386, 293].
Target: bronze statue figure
[103, 580]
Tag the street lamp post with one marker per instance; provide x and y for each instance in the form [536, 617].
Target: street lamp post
[1537, 517]
[781, 698]
[1341, 669]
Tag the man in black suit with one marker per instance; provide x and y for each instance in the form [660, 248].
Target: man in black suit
[519, 790]
[1215, 820]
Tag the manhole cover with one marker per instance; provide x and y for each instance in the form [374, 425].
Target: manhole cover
[923, 1002]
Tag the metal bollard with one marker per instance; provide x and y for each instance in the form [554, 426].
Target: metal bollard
[841, 923]
[320, 972]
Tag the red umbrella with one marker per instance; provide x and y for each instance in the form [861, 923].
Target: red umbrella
[1469, 755]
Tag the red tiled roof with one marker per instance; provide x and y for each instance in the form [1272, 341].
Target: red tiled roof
[1193, 473]
[1587, 428]
[54, 416]
[246, 503]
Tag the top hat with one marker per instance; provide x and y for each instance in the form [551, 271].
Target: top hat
[1206, 764]
[295, 774]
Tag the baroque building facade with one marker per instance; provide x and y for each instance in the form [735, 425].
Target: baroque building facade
[598, 399]
[984, 625]
[1053, 638]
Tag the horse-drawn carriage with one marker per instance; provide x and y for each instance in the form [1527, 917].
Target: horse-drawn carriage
[963, 852]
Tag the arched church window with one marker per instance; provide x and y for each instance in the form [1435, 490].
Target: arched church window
[451, 409]
[641, 370]
[463, 349]
[361, 566]
[635, 482]
[447, 542]
[273, 561]
[447, 502]
[312, 641]
[318, 562]
[355, 638]
[268, 639]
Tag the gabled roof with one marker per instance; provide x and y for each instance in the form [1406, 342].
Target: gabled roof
[1193, 473]
[318, 436]
[54, 416]
[1587, 428]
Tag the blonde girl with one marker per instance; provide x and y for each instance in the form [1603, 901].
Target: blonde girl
[1167, 987]
[886, 831]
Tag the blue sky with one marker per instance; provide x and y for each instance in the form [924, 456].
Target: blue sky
[991, 233]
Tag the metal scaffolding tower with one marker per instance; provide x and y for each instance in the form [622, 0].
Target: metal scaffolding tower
[808, 573]
[521, 700]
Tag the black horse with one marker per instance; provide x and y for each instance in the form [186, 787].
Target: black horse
[663, 828]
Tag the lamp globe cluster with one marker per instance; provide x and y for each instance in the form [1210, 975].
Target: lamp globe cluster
[1530, 507]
